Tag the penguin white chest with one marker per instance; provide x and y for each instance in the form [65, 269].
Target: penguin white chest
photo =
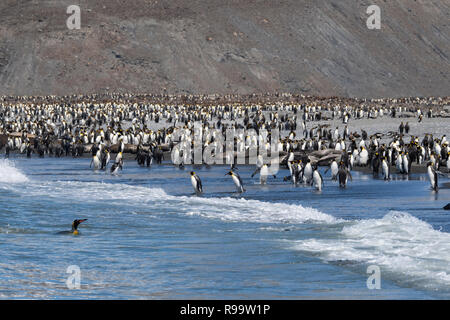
[194, 182]
[308, 171]
[431, 176]
[236, 181]
[317, 180]
[385, 166]
[334, 168]
[96, 162]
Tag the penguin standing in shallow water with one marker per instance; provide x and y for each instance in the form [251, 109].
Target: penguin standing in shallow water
[296, 166]
[317, 179]
[96, 161]
[196, 183]
[432, 174]
[105, 159]
[237, 181]
[343, 174]
[406, 162]
[385, 168]
[74, 230]
[264, 172]
[334, 170]
[307, 172]
[375, 165]
[290, 162]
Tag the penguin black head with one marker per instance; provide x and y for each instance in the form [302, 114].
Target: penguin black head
[75, 224]
[192, 173]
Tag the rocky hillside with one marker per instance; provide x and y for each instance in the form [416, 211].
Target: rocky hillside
[313, 47]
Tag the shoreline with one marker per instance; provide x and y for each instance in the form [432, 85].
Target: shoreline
[415, 168]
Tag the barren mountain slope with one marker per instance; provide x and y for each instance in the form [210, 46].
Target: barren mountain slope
[305, 46]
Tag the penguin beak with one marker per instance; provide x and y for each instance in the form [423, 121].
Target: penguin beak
[82, 220]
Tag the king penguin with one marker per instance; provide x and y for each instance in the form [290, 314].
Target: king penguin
[237, 181]
[196, 183]
[432, 174]
[343, 174]
[317, 178]
[334, 170]
[96, 161]
[264, 172]
[74, 230]
[307, 172]
[385, 168]
[406, 162]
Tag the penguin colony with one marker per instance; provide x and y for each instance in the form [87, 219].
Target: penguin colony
[108, 126]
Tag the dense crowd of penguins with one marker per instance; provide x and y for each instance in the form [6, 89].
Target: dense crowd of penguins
[148, 129]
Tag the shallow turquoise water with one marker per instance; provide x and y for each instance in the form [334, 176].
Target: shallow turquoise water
[148, 237]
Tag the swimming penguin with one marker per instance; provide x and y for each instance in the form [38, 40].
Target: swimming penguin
[74, 230]
[237, 181]
[343, 174]
[196, 183]
[432, 174]
[317, 179]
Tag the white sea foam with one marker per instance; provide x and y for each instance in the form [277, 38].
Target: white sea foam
[232, 209]
[399, 244]
[227, 209]
[9, 173]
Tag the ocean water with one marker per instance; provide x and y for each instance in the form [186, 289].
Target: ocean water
[149, 237]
